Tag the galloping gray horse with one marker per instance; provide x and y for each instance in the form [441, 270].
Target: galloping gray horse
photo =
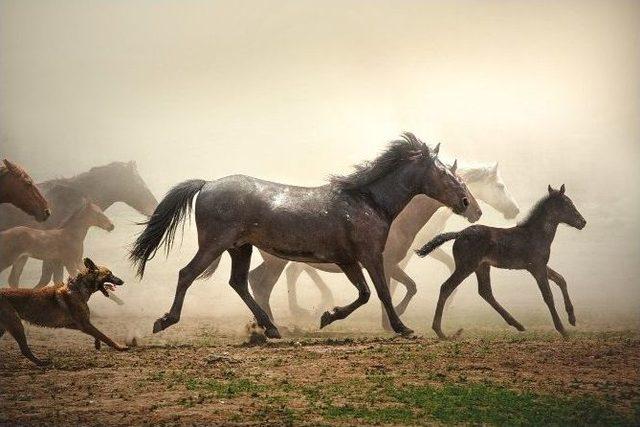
[345, 222]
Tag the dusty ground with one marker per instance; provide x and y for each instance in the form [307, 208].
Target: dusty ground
[198, 372]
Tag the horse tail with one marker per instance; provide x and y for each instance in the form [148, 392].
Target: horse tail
[436, 242]
[162, 225]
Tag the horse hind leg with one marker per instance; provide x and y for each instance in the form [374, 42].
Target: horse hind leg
[485, 291]
[203, 258]
[239, 281]
[354, 273]
[293, 272]
[262, 280]
[326, 296]
[445, 291]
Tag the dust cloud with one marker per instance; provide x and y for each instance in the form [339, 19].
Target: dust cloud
[293, 91]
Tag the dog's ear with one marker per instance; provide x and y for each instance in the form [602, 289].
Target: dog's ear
[90, 264]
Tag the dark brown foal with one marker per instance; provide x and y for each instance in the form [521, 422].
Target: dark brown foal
[524, 247]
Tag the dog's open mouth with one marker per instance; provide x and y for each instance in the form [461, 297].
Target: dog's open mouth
[107, 287]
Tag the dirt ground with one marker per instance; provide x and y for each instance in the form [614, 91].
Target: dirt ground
[199, 372]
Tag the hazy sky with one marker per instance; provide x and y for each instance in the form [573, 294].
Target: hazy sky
[295, 90]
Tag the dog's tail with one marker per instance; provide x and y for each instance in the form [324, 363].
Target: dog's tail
[436, 242]
[162, 225]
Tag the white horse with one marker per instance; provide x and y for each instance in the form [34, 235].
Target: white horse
[483, 181]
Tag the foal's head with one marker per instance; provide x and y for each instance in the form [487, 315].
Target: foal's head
[94, 216]
[562, 209]
[23, 193]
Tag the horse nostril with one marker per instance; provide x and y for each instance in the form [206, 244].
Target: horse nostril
[465, 202]
[47, 213]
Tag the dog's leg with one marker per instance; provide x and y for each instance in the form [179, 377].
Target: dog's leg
[89, 329]
[10, 321]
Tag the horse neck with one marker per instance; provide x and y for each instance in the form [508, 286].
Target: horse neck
[100, 191]
[77, 226]
[542, 225]
[392, 193]
[416, 214]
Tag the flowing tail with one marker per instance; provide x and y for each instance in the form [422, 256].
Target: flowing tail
[435, 242]
[162, 225]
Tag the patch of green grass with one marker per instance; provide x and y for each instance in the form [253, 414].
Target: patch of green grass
[373, 415]
[478, 403]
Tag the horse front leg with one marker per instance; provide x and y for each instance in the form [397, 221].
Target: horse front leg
[375, 269]
[16, 271]
[540, 275]
[203, 258]
[263, 278]
[557, 278]
[355, 276]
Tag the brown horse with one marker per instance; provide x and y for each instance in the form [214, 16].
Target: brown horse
[17, 188]
[63, 245]
[524, 247]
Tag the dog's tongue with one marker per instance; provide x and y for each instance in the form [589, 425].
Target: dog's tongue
[110, 287]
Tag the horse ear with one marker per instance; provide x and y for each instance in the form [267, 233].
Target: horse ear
[13, 168]
[550, 189]
[494, 169]
[436, 150]
[455, 166]
[90, 264]
[562, 189]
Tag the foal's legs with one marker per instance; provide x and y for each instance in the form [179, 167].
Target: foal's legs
[16, 271]
[540, 275]
[47, 272]
[240, 261]
[354, 273]
[203, 258]
[562, 284]
[446, 289]
[485, 291]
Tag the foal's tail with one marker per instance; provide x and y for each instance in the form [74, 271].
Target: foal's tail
[162, 225]
[435, 242]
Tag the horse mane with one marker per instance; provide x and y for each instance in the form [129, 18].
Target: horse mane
[91, 173]
[397, 152]
[536, 211]
[475, 173]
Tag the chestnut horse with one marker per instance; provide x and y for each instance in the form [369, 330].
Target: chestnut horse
[18, 189]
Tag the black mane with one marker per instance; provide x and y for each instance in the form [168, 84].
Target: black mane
[398, 152]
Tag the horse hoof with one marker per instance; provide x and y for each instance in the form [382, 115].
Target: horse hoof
[572, 321]
[158, 326]
[519, 327]
[406, 332]
[325, 319]
[42, 363]
[272, 333]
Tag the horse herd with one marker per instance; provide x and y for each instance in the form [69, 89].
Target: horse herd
[367, 220]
